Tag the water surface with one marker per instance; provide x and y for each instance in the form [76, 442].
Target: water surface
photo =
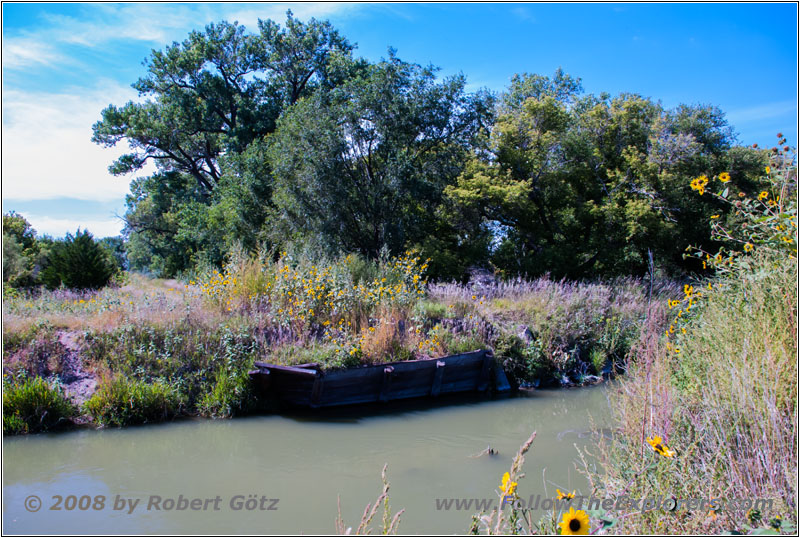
[305, 460]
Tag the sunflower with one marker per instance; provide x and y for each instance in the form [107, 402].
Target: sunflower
[659, 447]
[508, 487]
[565, 495]
[748, 247]
[724, 177]
[763, 195]
[574, 522]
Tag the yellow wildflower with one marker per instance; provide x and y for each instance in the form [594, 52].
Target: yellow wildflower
[508, 487]
[724, 177]
[574, 522]
[659, 447]
[565, 495]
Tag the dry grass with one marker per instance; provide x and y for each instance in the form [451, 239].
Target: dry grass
[724, 396]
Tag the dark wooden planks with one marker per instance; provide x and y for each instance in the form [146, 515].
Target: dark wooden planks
[384, 382]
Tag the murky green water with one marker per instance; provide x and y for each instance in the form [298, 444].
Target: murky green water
[305, 461]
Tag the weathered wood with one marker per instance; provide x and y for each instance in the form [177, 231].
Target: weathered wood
[436, 387]
[387, 384]
[383, 382]
[501, 383]
[483, 379]
[293, 369]
[316, 391]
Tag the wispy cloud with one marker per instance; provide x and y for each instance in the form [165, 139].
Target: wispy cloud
[524, 14]
[758, 113]
[47, 152]
[157, 23]
[47, 149]
[23, 52]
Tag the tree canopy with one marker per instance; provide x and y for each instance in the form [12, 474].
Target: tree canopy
[282, 136]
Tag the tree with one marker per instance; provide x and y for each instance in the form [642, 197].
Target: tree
[204, 102]
[216, 92]
[21, 251]
[588, 185]
[364, 166]
[78, 262]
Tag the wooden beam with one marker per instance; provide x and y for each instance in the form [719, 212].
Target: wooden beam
[436, 386]
[387, 383]
[316, 391]
[292, 369]
[501, 383]
[483, 379]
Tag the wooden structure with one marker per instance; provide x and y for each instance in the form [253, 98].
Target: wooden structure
[307, 385]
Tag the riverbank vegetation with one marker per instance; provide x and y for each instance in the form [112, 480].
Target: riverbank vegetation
[716, 389]
[160, 348]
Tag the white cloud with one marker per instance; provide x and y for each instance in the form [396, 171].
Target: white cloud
[110, 22]
[99, 228]
[155, 23]
[24, 52]
[47, 149]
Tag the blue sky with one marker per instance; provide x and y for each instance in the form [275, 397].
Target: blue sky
[63, 63]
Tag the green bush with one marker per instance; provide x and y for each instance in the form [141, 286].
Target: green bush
[231, 395]
[525, 361]
[121, 402]
[78, 262]
[32, 405]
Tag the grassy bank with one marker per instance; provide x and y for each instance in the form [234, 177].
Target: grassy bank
[161, 349]
[708, 408]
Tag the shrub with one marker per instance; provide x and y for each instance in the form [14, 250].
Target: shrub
[120, 402]
[231, 395]
[77, 262]
[32, 405]
[525, 362]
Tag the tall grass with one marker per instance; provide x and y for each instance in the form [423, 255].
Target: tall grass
[715, 395]
[120, 402]
[31, 404]
[723, 395]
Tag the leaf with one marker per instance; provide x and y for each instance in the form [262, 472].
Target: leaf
[766, 530]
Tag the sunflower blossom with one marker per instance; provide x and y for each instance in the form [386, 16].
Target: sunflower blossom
[659, 447]
[574, 522]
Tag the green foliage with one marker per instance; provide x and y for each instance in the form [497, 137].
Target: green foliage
[212, 95]
[526, 362]
[21, 230]
[766, 221]
[31, 404]
[21, 251]
[78, 262]
[364, 166]
[16, 267]
[587, 185]
[122, 402]
[282, 137]
[232, 394]
[115, 247]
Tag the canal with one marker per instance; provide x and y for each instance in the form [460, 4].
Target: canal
[305, 460]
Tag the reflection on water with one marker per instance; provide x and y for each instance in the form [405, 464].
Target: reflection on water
[305, 460]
